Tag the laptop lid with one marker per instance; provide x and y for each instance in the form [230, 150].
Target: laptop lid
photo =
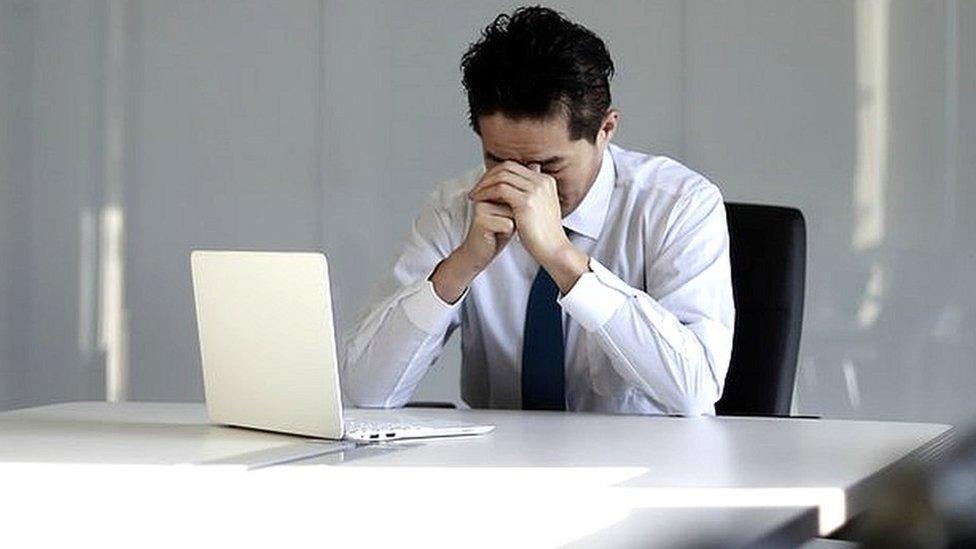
[267, 342]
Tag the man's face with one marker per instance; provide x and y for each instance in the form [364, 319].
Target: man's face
[546, 142]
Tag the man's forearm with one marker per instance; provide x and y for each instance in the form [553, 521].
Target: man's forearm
[566, 266]
[453, 275]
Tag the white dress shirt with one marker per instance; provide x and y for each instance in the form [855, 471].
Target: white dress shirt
[647, 330]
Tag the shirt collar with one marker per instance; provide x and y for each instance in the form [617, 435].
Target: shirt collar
[588, 217]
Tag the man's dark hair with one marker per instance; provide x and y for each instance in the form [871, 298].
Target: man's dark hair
[535, 63]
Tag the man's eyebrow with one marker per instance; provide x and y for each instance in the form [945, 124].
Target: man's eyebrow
[552, 160]
[546, 162]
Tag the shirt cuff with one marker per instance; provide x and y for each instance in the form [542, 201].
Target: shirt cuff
[595, 297]
[427, 311]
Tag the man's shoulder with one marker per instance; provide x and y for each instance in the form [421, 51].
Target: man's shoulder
[652, 175]
[452, 194]
[662, 189]
[665, 194]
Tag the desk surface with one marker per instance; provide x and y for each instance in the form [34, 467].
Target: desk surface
[599, 479]
[678, 462]
[141, 433]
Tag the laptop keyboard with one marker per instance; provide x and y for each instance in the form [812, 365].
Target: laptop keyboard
[359, 426]
[381, 430]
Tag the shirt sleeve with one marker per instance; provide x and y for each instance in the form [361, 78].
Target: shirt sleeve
[405, 328]
[673, 341]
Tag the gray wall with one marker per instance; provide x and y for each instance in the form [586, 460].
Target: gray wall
[323, 124]
[16, 59]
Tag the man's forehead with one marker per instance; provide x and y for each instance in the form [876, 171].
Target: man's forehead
[524, 147]
[524, 138]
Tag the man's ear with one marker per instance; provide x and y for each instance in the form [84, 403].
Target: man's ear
[609, 127]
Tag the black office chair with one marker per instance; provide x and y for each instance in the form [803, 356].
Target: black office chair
[768, 253]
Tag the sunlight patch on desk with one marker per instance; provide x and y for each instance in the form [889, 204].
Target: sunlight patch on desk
[224, 504]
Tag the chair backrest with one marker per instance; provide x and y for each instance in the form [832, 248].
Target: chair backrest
[768, 254]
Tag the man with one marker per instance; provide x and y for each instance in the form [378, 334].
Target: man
[583, 276]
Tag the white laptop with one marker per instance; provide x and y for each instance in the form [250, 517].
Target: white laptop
[267, 345]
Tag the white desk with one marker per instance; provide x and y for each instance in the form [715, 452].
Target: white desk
[541, 479]
[141, 433]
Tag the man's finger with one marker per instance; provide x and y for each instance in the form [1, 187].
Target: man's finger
[499, 224]
[531, 172]
[502, 192]
[502, 176]
[509, 172]
[524, 170]
[495, 208]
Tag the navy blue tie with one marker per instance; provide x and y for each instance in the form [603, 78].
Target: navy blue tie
[543, 349]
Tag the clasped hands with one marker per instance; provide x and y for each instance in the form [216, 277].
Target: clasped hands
[512, 198]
